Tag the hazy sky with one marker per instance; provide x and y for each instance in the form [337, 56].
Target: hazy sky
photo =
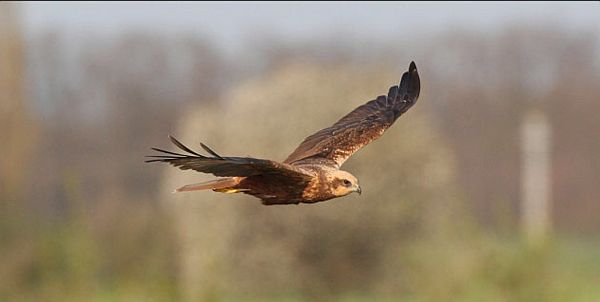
[230, 24]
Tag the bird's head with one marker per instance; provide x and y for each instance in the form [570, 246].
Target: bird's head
[344, 183]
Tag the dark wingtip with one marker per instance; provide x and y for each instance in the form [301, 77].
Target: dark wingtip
[210, 151]
[410, 85]
[167, 152]
[408, 90]
[183, 147]
[412, 66]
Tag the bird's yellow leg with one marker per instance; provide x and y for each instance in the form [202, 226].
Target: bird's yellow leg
[229, 190]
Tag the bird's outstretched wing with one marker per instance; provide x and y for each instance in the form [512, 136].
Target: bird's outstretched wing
[226, 166]
[334, 145]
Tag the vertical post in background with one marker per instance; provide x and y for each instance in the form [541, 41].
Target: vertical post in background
[16, 122]
[535, 177]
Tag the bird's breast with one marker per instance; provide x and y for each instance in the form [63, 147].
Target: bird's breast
[318, 189]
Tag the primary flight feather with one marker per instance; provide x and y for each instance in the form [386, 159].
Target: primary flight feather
[312, 172]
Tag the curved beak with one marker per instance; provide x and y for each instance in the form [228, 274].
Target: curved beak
[358, 189]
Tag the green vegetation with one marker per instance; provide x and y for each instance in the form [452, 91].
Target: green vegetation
[66, 262]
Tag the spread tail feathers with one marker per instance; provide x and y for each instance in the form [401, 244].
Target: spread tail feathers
[217, 185]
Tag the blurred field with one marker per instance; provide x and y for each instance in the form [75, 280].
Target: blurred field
[82, 218]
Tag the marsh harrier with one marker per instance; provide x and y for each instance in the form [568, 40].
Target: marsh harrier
[312, 172]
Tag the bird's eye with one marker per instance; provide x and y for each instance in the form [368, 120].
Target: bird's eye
[347, 183]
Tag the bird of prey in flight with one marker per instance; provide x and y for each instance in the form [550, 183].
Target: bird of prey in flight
[312, 172]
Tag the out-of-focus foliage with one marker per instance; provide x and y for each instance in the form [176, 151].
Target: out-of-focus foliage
[82, 218]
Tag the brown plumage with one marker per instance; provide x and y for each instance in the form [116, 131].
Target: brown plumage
[312, 172]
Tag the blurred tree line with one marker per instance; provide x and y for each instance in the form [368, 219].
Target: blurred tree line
[82, 216]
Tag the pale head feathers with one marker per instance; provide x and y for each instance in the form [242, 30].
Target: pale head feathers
[342, 183]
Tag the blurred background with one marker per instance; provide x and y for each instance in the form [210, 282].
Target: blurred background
[487, 190]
